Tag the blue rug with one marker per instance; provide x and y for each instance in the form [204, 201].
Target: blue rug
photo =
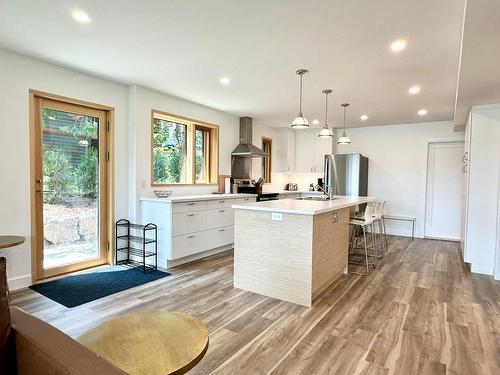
[76, 290]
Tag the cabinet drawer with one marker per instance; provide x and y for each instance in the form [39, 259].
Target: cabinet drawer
[219, 203]
[219, 237]
[219, 218]
[188, 206]
[188, 222]
[244, 200]
[188, 244]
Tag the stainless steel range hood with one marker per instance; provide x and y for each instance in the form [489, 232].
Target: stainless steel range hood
[246, 148]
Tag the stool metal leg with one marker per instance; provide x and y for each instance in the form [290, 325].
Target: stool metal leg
[385, 234]
[366, 250]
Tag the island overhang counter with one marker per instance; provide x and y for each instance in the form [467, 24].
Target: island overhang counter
[292, 249]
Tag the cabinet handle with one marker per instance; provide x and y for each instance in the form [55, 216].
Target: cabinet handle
[191, 236]
[335, 217]
[221, 230]
[190, 214]
[221, 211]
[190, 204]
[221, 201]
[246, 199]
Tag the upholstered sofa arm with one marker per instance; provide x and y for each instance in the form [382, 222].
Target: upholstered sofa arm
[42, 349]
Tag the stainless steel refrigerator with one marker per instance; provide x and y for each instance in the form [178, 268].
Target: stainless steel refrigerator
[346, 174]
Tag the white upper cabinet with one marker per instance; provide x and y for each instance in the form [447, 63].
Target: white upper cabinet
[284, 151]
[311, 151]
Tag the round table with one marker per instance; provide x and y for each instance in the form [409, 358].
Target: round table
[150, 343]
[10, 241]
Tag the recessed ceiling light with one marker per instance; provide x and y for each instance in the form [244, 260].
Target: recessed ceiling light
[225, 81]
[414, 90]
[422, 112]
[315, 121]
[398, 45]
[364, 117]
[81, 16]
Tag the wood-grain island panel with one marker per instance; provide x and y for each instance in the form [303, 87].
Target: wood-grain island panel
[293, 259]
[273, 257]
[331, 232]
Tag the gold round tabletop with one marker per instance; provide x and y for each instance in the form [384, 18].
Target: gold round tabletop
[150, 343]
[10, 241]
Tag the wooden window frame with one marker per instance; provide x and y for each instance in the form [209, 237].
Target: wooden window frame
[191, 126]
[266, 140]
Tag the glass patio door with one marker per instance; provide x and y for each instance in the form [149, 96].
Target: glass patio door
[70, 187]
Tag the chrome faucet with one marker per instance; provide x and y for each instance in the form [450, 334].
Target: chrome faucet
[318, 187]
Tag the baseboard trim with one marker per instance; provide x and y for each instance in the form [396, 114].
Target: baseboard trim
[20, 282]
[483, 269]
[190, 258]
[442, 239]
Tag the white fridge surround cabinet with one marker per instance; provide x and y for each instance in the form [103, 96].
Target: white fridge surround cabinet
[192, 228]
[481, 178]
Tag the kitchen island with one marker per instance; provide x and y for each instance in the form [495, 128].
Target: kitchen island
[292, 249]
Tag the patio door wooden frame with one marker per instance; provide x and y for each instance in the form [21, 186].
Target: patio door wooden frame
[38, 101]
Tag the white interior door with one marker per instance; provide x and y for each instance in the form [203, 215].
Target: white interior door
[443, 213]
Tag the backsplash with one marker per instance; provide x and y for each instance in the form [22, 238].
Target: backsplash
[303, 180]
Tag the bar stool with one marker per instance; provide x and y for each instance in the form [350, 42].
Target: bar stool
[364, 223]
[379, 220]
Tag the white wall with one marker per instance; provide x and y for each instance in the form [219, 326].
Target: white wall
[142, 101]
[18, 75]
[398, 165]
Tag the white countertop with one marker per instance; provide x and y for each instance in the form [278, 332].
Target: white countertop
[305, 207]
[303, 192]
[199, 197]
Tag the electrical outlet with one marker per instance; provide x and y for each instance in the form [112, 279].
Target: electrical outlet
[277, 216]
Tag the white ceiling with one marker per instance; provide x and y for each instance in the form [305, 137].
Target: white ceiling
[184, 47]
[479, 80]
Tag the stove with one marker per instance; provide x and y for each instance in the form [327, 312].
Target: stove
[249, 187]
[268, 197]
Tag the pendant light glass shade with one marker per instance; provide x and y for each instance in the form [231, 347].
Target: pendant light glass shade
[344, 140]
[326, 132]
[300, 122]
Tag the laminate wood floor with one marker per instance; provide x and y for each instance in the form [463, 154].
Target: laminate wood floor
[420, 312]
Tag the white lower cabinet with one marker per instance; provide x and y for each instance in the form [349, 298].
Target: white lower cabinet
[188, 222]
[220, 236]
[188, 244]
[191, 227]
[221, 217]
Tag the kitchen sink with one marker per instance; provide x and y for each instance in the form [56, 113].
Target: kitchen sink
[315, 198]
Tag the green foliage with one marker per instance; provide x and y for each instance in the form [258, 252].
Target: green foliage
[84, 127]
[58, 176]
[199, 155]
[169, 143]
[86, 174]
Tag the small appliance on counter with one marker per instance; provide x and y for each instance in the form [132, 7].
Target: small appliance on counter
[291, 187]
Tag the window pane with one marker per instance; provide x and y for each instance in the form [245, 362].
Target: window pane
[201, 156]
[70, 187]
[169, 152]
[266, 162]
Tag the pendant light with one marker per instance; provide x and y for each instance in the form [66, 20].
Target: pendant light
[344, 140]
[300, 122]
[326, 132]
